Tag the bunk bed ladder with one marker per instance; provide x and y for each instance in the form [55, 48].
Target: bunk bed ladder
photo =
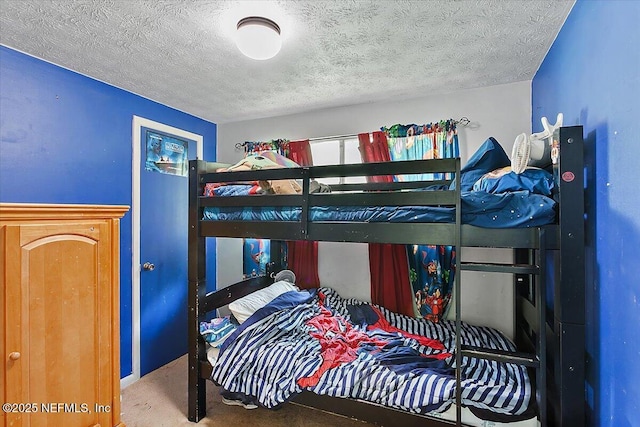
[533, 268]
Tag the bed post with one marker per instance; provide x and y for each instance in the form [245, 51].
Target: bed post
[457, 290]
[197, 289]
[569, 283]
[541, 338]
[276, 263]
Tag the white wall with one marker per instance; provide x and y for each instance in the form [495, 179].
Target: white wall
[501, 111]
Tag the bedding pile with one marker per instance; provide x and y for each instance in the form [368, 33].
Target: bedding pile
[492, 196]
[320, 342]
[265, 160]
[217, 330]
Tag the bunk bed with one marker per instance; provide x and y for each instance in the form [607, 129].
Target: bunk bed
[548, 267]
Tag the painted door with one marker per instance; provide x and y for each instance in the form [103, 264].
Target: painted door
[163, 246]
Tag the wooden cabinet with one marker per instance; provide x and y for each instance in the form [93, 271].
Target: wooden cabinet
[60, 273]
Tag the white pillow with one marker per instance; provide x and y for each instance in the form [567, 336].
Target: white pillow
[244, 307]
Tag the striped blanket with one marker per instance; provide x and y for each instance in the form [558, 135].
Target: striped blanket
[272, 355]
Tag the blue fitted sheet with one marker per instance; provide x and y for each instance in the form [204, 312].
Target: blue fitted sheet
[516, 209]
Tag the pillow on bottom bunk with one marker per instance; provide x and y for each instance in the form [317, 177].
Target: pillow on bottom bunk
[244, 307]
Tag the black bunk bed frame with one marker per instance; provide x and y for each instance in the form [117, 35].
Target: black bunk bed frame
[550, 329]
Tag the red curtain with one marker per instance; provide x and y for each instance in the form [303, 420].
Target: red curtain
[300, 152]
[388, 264]
[374, 148]
[303, 255]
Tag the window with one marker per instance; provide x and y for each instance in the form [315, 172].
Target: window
[337, 152]
[352, 155]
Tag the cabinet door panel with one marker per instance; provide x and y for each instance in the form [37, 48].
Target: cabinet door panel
[65, 283]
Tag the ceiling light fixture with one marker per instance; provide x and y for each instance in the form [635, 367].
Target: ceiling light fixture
[258, 37]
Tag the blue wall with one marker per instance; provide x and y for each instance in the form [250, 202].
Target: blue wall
[66, 138]
[592, 75]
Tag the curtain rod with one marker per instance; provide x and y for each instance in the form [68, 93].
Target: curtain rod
[330, 138]
[240, 145]
[463, 121]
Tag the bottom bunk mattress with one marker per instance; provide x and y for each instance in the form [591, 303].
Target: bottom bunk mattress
[320, 342]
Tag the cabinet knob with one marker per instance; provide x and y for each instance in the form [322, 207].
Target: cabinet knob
[14, 355]
[148, 266]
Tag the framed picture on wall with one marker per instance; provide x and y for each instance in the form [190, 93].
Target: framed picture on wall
[256, 256]
[166, 153]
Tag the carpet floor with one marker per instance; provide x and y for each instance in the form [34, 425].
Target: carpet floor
[159, 399]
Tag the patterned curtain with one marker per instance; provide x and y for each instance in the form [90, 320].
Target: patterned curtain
[280, 146]
[416, 142]
[431, 268]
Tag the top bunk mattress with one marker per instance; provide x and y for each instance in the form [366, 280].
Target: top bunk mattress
[517, 209]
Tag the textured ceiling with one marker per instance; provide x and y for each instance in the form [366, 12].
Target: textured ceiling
[335, 53]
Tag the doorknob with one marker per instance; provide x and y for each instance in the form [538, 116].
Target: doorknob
[14, 355]
[148, 266]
